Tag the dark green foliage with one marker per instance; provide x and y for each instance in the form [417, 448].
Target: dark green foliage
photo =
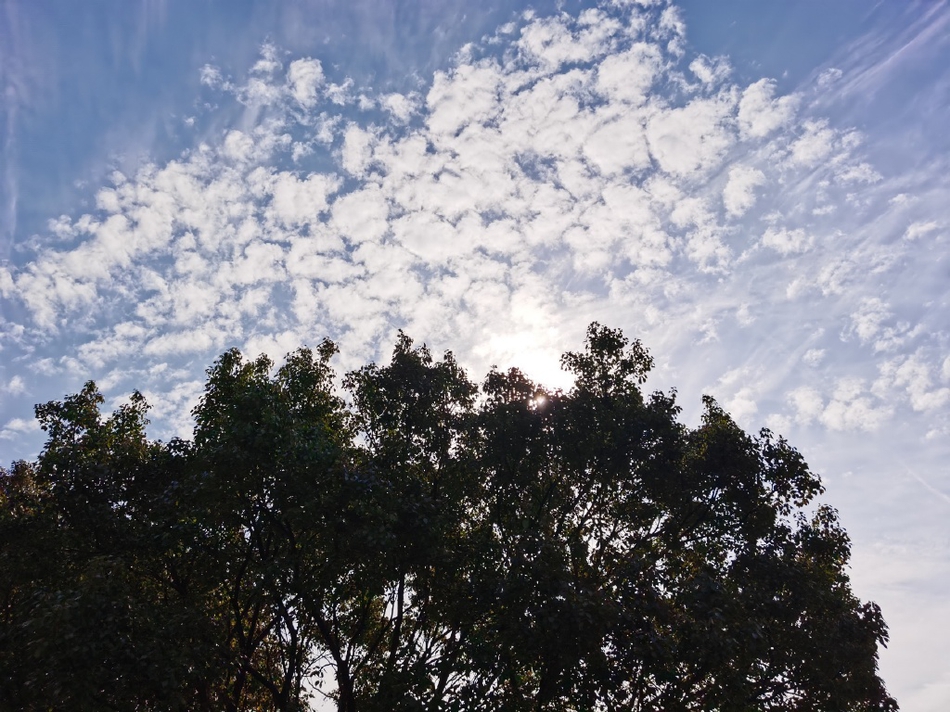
[427, 545]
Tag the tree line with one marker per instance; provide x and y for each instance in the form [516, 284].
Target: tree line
[415, 541]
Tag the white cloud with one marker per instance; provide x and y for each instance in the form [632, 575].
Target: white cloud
[15, 386]
[671, 25]
[914, 376]
[739, 194]
[340, 94]
[469, 94]
[847, 268]
[787, 242]
[297, 202]
[400, 106]
[869, 323]
[578, 166]
[815, 144]
[304, 78]
[813, 357]
[268, 63]
[850, 411]
[760, 114]
[259, 92]
[211, 76]
[738, 389]
[689, 141]
[17, 427]
[744, 315]
[868, 319]
[777, 423]
[172, 408]
[807, 403]
[238, 146]
[742, 406]
[858, 173]
[920, 228]
[552, 42]
[851, 407]
[362, 215]
[710, 71]
[357, 151]
[618, 145]
[628, 76]
[829, 77]
[7, 285]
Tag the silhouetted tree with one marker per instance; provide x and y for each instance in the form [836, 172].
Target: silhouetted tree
[426, 544]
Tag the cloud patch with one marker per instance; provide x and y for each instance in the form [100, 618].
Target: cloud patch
[567, 169]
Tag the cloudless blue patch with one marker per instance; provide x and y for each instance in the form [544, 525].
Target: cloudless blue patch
[781, 40]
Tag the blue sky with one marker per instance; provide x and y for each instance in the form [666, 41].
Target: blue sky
[756, 190]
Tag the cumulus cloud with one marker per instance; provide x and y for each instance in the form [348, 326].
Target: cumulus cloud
[304, 78]
[400, 106]
[914, 377]
[760, 113]
[920, 229]
[627, 76]
[814, 145]
[553, 42]
[739, 389]
[15, 386]
[813, 357]
[739, 194]
[851, 406]
[872, 323]
[357, 150]
[17, 427]
[858, 173]
[689, 141]
[710, 71]
[807, 403]
[268, 63]
[787, 242]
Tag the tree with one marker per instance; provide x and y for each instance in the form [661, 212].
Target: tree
[426, 544]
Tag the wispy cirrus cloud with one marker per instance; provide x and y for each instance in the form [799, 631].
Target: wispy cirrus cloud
[13, 97]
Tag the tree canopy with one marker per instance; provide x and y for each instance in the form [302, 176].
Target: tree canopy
[415, 541]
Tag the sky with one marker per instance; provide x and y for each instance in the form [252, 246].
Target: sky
[757, 191]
